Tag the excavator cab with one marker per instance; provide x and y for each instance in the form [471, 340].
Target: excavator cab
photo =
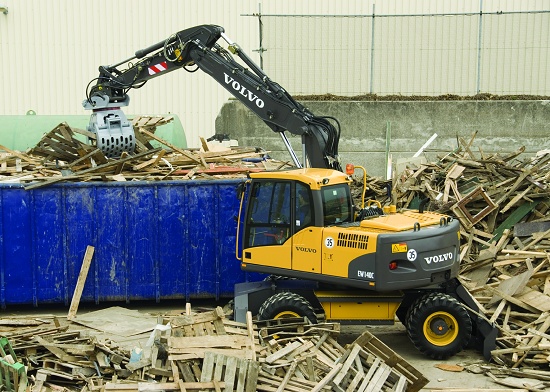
[286, 215]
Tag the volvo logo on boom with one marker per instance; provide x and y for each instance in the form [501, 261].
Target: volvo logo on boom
[235, 85]
[439, 258]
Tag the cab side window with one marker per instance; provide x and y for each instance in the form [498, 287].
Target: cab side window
[304, 207]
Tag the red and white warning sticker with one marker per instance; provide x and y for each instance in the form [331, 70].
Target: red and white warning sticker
[154, 69]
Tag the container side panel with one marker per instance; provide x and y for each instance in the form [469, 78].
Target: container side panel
[172, 235]
[80, 211]
[141, 209]
[203, 240]
[49, 250]
[17, 268]
[110, 273]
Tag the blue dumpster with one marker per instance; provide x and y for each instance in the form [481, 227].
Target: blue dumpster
[153, 241]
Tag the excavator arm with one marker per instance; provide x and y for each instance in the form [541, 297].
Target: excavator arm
[197, 48]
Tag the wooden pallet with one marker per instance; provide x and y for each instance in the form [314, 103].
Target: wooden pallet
[370, 344]
[201, 324]
[238, 374]
[13, 376]
[60, 143]
[166, 386]
[360, 370]
[293, 327]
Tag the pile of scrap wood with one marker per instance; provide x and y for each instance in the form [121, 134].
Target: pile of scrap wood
[206, 351]
[502, 202]
[488, 193]
[61, 155]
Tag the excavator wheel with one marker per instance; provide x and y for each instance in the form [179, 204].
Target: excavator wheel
[286, 305]
[438, 325]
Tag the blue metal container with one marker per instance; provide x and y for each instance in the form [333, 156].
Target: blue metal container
[153, 241]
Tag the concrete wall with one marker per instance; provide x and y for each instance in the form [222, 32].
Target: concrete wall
[503, 126]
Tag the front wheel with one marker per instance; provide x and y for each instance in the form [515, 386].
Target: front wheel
[286, 305]
[438, 325]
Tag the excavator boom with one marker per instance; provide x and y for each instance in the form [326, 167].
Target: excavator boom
[197, 48]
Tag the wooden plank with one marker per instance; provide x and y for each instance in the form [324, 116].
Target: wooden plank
[59, 353]
[250, 329]
[511, 286]
[289, 373]
[537, 238]
[187, 154]
[252, 376]
[186, 371]
[207, 373]
[75, 301]
[347, 364]
[498, 310]
[230, 373]
[370, 373]
[512, 300]
[401, 385]
[166, 386]
[282, 352]
[535, 299]
[379, 378]
[242, 375]
[328, 378]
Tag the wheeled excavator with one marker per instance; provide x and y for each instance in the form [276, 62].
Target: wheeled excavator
[325, 257]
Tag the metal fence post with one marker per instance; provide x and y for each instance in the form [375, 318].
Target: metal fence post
[479, 42]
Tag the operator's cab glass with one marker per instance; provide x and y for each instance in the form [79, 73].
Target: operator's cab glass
[268, 218]
[337, 207]
[304, 207]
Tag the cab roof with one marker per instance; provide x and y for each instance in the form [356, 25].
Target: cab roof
[315, 178]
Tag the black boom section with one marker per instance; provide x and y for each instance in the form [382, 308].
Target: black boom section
[197, 46]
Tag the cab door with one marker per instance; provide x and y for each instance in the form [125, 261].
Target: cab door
[268, 225]
[306, 241]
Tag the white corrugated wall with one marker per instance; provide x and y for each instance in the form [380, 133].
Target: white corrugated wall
[50, 50]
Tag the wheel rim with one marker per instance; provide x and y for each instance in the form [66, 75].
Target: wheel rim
[440, 328]
[286, 314]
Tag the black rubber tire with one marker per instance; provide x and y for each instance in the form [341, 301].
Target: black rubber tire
[286, 304]
[438, 325]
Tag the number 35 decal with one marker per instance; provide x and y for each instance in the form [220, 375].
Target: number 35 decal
[329, 242]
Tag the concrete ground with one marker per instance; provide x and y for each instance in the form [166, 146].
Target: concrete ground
[395, 337]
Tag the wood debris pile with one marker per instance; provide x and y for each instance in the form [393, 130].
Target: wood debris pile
[205, 351]
[61, 155]
[503, 204]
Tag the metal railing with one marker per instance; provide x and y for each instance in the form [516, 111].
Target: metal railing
[501, 53]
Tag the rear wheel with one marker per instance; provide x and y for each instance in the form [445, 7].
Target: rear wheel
[438, 325]
[286, 305]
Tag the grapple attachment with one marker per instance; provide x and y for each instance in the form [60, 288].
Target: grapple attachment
[114, 133]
